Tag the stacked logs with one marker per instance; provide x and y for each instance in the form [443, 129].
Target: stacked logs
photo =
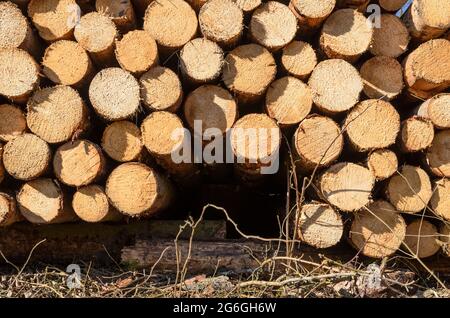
[102, 102]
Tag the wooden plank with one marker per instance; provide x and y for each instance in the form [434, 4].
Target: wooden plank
[102, 242]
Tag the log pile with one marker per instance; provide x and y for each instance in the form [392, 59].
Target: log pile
[110, 110]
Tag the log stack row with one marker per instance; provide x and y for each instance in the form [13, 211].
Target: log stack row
[101, 104]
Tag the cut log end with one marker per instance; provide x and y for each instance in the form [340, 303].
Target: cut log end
[78, 163]
[248, 71]
[201, 61]
[41, 201]
[383, 163]
[137, 52]
[122, 141]
[26, 157]
[136, 190]
[346, 35]
[54, 19]
[359, 5]
[213, 106]
[422, 239]
[121, 12]
[372, 124]
[347, 186]
[317, 143]
[336, 86]
[96, 33]
[378, 231]
[437, 109]
[440, 201]
[438, 155]
[55, 114]
[417, 133]
[311, 13]
[12, 122]
[67, 63]
[9, 213]
[382, 77]
[320, 225]
[255, 141]
[114, 94]
[161, 89]
[423, 68]
[288, 101]
[91, 204]
[247, 6]
[273, 25]
[221, 21]
[163, 19]
[19, 74]
[428, 19]
[391, 5]
[391, 38]
[445, 238]
[299, 59]
[409, 190]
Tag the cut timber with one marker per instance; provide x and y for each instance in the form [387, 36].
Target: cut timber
[213, 106]
[248, 6]
[26, 157]
[41, 201]
[19, 74]
[165, 138]
[54, 19]
[346, 35]
[438, 156]
[96, 33]
[67, 63]
[383, 163]
[359, 5]
[336, 86]
[440, 201]
[299, 59]
[56, 113]
[273, 25]
[347, 186]
[137, 52]
[317, 143]
[256, 141]
[428, 67]
[391, 38]
[221, 21]
[122, 141]
[161, 89]
[201, 61]
[121, 12]
[378, 231]
[137, 190]
[382, 77]
[15, 32]
[12, 122]
[428, 19]
[409, 190]
[445, 238]
[248, 71]
[417, 133]
[392, 5]
[114, 94]
[311, 13]
[78, 163]
[91, 204]
[437, 109]
[2, 168]
[288, 101]
[172, 23]
[9, 213]
[320, 225]
[372, 124]
[421, 239]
